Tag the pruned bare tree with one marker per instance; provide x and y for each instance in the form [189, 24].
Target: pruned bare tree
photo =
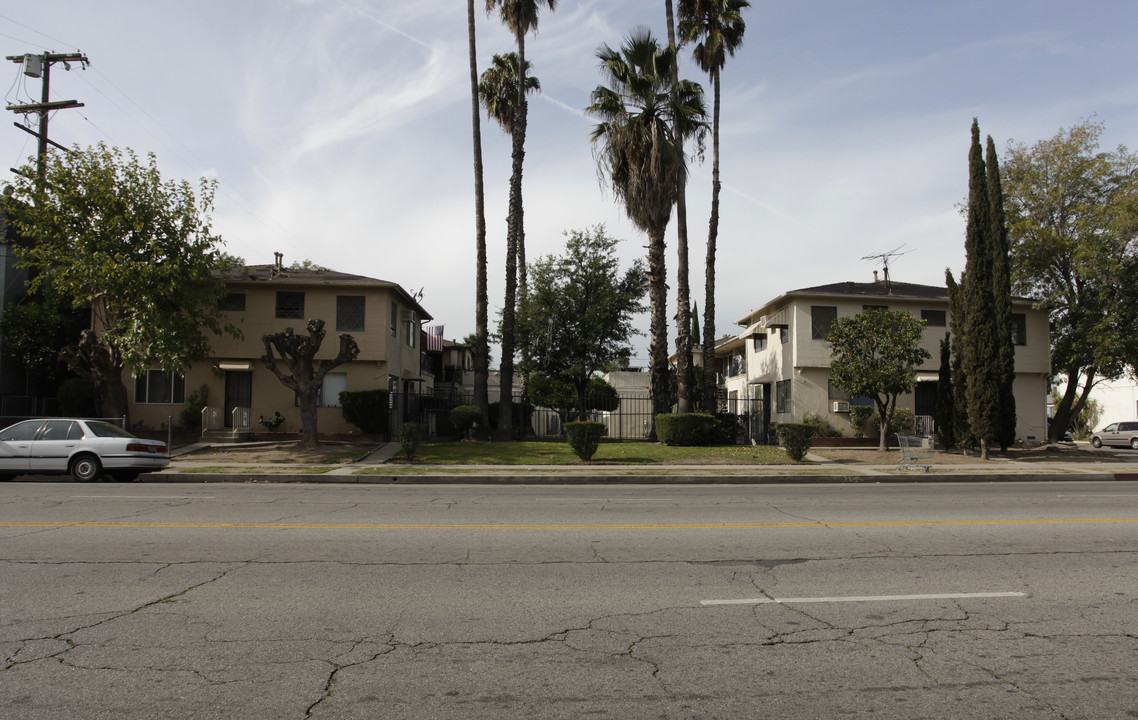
[298, 352]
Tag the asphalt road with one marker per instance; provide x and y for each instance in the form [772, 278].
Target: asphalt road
[289, 601]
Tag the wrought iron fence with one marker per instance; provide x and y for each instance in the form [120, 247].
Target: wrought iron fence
[629, 420]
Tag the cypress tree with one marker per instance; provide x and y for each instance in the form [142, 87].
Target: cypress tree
[1001, 303]
[961, 431]
[979, 353]
[945, 411]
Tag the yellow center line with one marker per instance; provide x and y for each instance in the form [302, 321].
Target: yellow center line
[567, 526]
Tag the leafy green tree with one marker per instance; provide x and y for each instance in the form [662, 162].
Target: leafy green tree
[35, 328]
[979, 344]
[480, 342]
[570, 404]
[644, 118]
[1005, 368]
[945, 398]
[107, 233]
[520, 16]
[876, 353]
[576, 319]
[1072, 219]
[716, 27]
[298, 352]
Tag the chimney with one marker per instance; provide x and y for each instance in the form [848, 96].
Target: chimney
[874, 276]
[280, 261]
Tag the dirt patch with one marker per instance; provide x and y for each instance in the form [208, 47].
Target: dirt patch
[1042, 453]
[283, 453]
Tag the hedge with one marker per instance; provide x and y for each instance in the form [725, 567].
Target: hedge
[685, 430]
[795, 437]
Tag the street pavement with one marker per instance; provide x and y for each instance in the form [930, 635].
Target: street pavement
[373, 468]
[871, 601]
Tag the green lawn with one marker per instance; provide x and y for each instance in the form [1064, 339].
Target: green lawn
[609, 453]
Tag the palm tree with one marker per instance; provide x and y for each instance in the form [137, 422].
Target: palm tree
[683, 292]
[717, 27]
[498, 89]
[481, 344]
[638, 143]
[521, 17]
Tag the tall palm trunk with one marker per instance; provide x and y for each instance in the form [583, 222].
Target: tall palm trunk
[481, 301]
[514, 238]
[709, 380]
[683, 292]
[658, 342]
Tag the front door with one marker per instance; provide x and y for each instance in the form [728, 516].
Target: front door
[238, 392]
[925, 399]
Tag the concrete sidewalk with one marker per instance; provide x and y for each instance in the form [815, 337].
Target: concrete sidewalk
[373, 469]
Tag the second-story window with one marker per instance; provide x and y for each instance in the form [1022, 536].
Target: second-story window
[934, 318]
[1019, 329]
[290, 304]
[822, 318]
[232, 302]
[350, 312]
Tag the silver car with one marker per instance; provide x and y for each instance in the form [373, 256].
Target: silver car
[1120, 433]
[84, 448]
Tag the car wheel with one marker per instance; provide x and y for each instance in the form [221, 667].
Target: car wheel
[86, 467]
[1134, 443]
[1095, 442]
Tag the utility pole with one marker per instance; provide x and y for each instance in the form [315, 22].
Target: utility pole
[40, 66]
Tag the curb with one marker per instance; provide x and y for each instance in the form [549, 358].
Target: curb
[619, 479]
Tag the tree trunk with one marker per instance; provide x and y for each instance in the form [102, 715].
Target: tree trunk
[658, 350]
[309, 437]
[683, 293]
[481, 348]
[709, 384]
[513, 237]
[1073, 397]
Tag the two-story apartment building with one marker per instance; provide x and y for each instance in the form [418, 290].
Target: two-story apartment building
[783, 356]
[384, 319]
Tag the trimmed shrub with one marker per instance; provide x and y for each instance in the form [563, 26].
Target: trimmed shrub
[726, 429]
[795, 437]
[366, 409]
[685, 430]
[904, 422]
[584, 437]
[859, 417]
[821, 426]
[191, 415]
[465, 418]
[410, 435]
[77, 398]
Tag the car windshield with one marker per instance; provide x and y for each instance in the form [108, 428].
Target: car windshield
[105, 429]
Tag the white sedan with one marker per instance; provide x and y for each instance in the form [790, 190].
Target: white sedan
[84, 448]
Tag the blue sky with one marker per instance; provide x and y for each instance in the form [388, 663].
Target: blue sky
[340, 129]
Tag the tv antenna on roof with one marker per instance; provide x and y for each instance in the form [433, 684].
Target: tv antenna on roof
[884, 258]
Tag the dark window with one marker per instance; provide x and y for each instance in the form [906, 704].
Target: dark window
[833, 393]
[349, 312]
[783, 335]
[232, 302]
[1019, 329]
[782, 396]
[290, 304]
[822, 318]
[760, 341]
[158, 387]
[61, 430]
[21, 431]
[412, 327]
[934, 318]
[394, 319]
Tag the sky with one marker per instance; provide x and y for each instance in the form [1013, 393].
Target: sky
[339, 130]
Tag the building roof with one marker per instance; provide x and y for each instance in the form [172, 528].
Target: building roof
[883, 289]
[315, 277]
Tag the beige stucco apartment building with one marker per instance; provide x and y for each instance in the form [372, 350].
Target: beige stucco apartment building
[782, 354]
[384, 319]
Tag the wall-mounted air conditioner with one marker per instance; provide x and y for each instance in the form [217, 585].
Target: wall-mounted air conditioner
[841, 406]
